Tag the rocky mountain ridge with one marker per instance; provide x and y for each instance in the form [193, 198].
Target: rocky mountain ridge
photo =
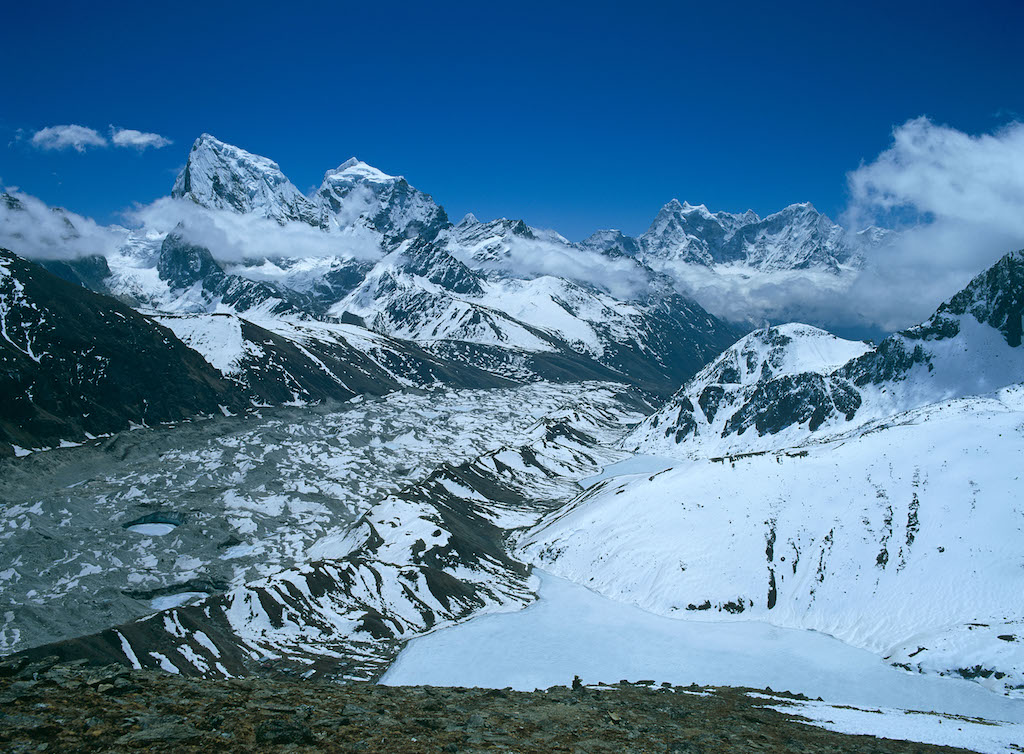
[786, 384]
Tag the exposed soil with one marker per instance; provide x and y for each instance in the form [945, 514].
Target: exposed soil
[68, 707]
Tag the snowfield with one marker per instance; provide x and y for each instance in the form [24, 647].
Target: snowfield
[903, 537]
[573, 631]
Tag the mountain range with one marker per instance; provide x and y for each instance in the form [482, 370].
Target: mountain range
[430, 411]
[391, 270]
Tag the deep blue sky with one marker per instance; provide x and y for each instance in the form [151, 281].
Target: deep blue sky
[572, 116]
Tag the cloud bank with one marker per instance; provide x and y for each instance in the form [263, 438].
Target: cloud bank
[232, 237]
[31, 229]
[620, 276]
[958, 201]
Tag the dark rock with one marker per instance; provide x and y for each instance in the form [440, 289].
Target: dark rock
[276, 731]
[166, 733]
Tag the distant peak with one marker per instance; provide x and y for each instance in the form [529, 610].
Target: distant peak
[469, 219]
[685, 207]
[356, 168]
[211, 148]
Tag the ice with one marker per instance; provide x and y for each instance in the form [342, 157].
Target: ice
[633, 465]
[152, 530]
[174, 600]
[571, 631]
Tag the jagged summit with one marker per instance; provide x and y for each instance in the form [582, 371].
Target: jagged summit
[356, 170]
[222, 176]
[995, 298]
[613, 242]
[676, 206]
[797, 237]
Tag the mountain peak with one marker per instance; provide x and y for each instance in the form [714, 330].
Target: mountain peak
[218, 175]
[355, 169]
[674, 206]
[800, 207]
[995, 297]
[469, 219]
[211, 144]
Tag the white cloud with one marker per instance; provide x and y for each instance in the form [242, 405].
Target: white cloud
[232, 237]
[959, 201]
[937, 170]
[622, 276]
[758, 298]
[68, 137]
[80, 138]
[30, 228]
[140, 140]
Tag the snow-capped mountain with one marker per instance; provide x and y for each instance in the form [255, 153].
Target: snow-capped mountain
[541, 325]
[820, 481]
[795, 238]
[781, 385]
[770, 381]
[611, 242]
[902, 536]
[222, 176]
[359, 193]
[487, 244]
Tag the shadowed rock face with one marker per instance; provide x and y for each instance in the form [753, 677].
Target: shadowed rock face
[89, 272]
[184, 265]
[996, 297]
[72, 362]
[427, 260]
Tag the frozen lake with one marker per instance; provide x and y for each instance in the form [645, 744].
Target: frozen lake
[574, 631]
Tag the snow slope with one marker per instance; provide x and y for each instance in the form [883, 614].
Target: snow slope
[902, 536]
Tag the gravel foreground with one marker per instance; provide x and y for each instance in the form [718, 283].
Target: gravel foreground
[55, 707]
